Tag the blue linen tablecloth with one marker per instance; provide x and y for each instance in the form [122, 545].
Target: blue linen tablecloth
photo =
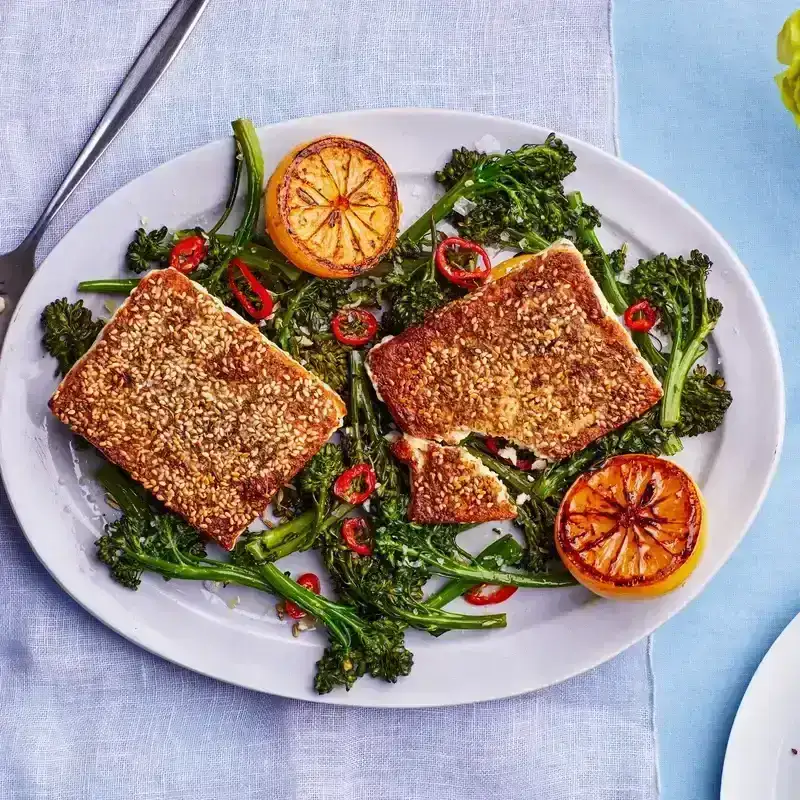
[700, 111]
[84, 713]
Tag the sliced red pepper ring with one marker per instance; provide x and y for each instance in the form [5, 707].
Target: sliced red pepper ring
[356, 484]
[467, 278]
[308, 580]
[187, 254]
[641, 316]
[354, 326]
[493, 446]
[261, 292]
[357, 536]
[487, 594]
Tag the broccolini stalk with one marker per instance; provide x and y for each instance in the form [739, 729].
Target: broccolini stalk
[247, 141]
[677, 288]
[606, 271]
[234, 190]
[365, 440]
[123, 286]
[406, 544]
[500, 553]
[606, 275]
[294, 536]
[260, 259]
[147, 540]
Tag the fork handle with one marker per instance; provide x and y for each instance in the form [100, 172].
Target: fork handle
[151, 64]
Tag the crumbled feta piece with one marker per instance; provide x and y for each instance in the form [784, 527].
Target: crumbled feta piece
[509, 454]
[463, 206]
[522, 499]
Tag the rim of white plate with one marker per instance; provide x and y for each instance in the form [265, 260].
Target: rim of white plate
[395, 698]
[757, 742]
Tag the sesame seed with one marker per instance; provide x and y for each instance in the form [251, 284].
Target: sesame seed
[532, 358]
[197, 405]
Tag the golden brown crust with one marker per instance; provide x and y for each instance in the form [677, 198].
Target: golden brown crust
[532, 357]
[197, 405]
[449, 485]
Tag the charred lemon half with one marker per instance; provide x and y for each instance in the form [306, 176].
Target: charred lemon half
[332, 207]
[634, 528]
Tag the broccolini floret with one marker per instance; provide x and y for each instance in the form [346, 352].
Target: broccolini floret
[69, 330]
[514, 199]
[677, 288]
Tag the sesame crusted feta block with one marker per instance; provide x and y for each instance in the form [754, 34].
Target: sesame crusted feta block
[535, 357]
[196, 405]
[448, 484]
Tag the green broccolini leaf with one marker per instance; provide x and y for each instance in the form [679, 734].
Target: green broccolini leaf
[69, 331]
[148, 249]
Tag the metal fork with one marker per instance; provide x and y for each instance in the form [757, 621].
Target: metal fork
[16, 267]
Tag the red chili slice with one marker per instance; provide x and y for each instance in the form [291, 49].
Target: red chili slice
[354, 326]
[641, 316]
[469, 279]
[356, 535]
[493, 446]
[308, 580]
[356, 484]
[187, 254]
[261, 292]
[487, 594]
